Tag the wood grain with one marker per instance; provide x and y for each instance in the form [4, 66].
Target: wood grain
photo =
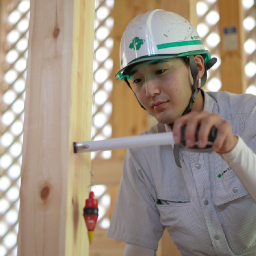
[107, 171]
[57, 112]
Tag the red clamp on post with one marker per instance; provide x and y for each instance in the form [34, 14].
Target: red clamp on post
[91, 214]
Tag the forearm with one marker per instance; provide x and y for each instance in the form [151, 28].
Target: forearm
[132, 250]
[243, 162]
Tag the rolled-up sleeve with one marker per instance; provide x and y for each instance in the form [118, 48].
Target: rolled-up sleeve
[135, 219]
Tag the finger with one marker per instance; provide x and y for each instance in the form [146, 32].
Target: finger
[178, 123]
[191, 127]
[206, 125]
[224, 130]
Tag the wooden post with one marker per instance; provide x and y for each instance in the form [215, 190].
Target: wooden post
[54, 180]
[185, 8]
[3, 18]
[232, 46]
[128, 118]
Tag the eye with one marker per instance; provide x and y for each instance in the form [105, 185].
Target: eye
[160, 71]
[136, 81]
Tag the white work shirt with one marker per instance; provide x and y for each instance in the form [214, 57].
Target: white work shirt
[204, 205]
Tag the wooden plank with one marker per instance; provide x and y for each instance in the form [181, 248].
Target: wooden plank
[232, 56]
[112, 191]
[128, 118]
[185, 8]
[3, 19]
[107, 172]
[57, 112]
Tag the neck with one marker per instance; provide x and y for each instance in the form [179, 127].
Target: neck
[199, 103]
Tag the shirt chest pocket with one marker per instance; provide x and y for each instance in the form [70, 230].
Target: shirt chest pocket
[237, 212]
[172, 196]
[171, 202]
[228, 187]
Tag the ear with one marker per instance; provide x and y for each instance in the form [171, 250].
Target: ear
[200, 65]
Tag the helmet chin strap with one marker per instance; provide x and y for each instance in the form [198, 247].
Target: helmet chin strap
[195, 90]
[194, 72]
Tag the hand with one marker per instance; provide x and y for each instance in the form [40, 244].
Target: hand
[225, 140]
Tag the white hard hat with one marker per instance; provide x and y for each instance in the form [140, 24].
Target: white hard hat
[158, 34]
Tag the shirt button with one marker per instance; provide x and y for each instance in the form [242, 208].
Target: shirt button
[235, 190]
[205, 202]
[217, 237]
[198, 166]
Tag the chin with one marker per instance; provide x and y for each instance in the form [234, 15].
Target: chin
[166, 118]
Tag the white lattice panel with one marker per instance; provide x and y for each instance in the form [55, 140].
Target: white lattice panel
[208, 17]
[13, 91]
[103, 64]
[250, 44]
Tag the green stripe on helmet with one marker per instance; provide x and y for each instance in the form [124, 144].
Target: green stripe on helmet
[178, 44]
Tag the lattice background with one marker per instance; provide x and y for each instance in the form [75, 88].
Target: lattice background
[250, 44]
[103, 65]
[102, 87]
[207, 28]
[13, 91]
[12, 108]
[208, 18]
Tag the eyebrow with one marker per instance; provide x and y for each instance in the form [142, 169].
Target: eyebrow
[155, 62]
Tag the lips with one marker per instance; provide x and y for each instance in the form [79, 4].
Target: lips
[158, 104]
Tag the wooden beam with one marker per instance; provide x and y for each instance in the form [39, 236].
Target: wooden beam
[232, 46]
[107, 172]
[54, 180]
[128, 118]
[185, 8]
[3, 33]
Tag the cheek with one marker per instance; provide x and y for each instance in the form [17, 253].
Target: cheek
[140, 96]
[179, 89]
[178, 84]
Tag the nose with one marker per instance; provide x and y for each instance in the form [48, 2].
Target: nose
[152, 87]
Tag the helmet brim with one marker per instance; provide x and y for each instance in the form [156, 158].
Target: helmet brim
[121, 74]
